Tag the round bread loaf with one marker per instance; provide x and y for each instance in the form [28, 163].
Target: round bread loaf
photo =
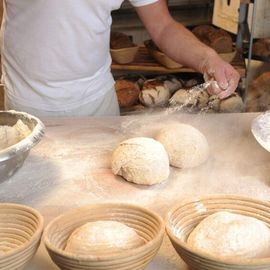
[154, 93]
[183, 98]
[220, 41]
[127, 93]
[233, 103]
[120, 40]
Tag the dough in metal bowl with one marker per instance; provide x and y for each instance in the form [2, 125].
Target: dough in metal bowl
[10, 135]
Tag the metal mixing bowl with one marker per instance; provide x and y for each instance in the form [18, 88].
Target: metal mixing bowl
[12, 157]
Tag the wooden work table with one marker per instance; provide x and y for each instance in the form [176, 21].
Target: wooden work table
[70, 167]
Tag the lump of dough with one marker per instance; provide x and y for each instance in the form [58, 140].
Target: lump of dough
[231, 235]
[186, 146]
[10, 135]
[141, 160]
[102, 237]
[233, 103]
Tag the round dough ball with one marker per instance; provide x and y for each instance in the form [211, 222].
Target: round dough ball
[186, 146]
[231, 235]
[233, 103]
[154, 93]
[101, 237]
[141, 160]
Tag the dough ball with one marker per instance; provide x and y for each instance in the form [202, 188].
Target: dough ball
[154, 93]
[141, 161]
[231, 235]
[233, 103]
[99, 237]
[186, 146]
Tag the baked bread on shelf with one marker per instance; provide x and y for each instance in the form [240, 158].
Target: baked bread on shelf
[127, 92]
[119, 40]
[258, 96]
[218, 39]
[261, 48]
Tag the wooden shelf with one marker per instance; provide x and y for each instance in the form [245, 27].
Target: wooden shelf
[143, 62]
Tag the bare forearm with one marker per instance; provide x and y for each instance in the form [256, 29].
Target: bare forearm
[184, 47]
[181, 45]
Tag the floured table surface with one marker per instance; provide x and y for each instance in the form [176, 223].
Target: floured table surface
[70, 167]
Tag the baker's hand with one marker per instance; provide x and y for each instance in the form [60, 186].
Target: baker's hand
[227, 78]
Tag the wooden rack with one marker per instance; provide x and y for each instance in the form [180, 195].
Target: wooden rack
[143, 62]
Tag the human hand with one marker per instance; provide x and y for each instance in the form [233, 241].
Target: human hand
[227, 78]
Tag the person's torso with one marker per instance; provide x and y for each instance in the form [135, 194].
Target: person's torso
[55, 38]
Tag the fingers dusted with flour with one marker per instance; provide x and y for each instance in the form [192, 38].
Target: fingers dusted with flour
[225, 77]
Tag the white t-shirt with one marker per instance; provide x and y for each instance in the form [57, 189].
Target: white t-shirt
[55, 53]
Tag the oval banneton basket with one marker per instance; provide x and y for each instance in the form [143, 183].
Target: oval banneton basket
[148, 225]
[184, 217]
[124, 55]
[20, 232]
[12, 157]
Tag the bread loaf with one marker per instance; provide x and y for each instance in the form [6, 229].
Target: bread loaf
[262, 48]
[218, 39]
[120, 40]
[202, 31]
[127, 93]
[154, 93]
[233, 103]
[258, 96]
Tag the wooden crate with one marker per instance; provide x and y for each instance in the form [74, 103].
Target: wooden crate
[226, 16]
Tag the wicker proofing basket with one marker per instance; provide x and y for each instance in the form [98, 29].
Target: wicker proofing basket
[183, 218]
[125, 55]
[149, 226]
[20, 232]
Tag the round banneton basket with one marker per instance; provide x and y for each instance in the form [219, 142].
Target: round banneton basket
[13, 157]
[20, 232]
[183, 218]
[148, 225]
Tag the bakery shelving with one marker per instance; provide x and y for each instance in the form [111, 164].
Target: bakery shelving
[143, 62]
